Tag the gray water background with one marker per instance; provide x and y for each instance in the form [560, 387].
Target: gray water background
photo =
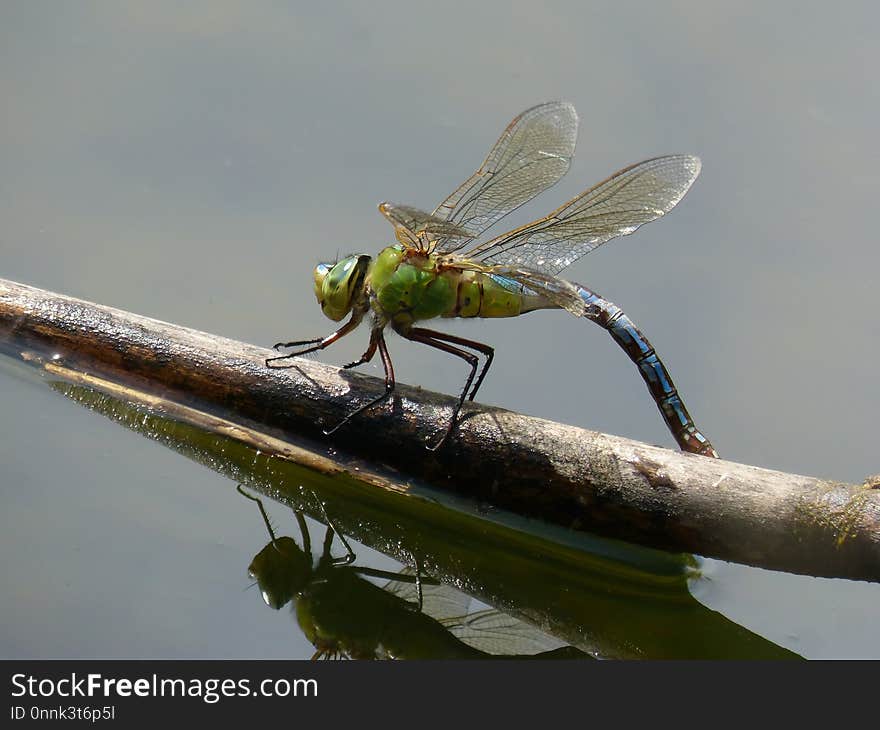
[192, 162]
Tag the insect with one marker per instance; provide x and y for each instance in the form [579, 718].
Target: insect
[438, 269]
[346, 616]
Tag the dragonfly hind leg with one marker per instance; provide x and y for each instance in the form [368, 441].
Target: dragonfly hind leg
[377, 341]
[440, 340]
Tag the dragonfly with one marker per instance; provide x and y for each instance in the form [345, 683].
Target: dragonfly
[439, 268]
[346, 616]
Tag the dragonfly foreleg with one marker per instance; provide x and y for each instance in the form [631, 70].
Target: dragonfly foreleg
[240, 489]
[317, 344]
[303, 528]
[298, 343]
[438, 340]
[377, 340]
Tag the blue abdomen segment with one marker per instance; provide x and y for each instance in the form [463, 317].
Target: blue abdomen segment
[654, 372]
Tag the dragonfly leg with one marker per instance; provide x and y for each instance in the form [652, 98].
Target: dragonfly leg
[437, 339]
[304, 531]
[486, 350]
[415, 578]
[419, 585]
[298, 343]
[366, 357]
[377, 341]
[316, 344]
[240, 489]
[350, 556]
[489, 352]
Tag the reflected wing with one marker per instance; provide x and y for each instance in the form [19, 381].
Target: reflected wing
[414, 227]
[438, 601]
[532, 154]
[488, 630]
[495, 632]
[616, 207]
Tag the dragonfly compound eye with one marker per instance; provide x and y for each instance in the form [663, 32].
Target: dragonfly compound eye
[336, 285]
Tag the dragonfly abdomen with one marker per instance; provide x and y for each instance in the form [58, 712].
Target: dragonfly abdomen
[653, 371]
[482, 295]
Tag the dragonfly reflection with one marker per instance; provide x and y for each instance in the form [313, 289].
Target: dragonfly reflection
[344, 615]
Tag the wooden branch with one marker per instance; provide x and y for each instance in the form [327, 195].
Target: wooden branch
[580, 479]
[606, 597]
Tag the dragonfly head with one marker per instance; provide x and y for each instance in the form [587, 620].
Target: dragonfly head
[337, 285]
[281, 570]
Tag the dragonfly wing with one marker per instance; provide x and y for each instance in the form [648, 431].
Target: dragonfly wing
[615, 207]
[488, 630]
[415, 227]
[438, 601]
[494, 632]
[532, 154]
[562, 293]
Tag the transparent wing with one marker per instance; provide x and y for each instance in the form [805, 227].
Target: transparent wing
[495, 632]
[532, 154]
[562, 293]
[438, 601]
[488, 630]
[615, 207]
[415, 228]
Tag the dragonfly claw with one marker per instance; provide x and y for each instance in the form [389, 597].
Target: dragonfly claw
[439, 443]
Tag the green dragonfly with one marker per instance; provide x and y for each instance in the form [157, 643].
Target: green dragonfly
[346, 616]
[437, 269]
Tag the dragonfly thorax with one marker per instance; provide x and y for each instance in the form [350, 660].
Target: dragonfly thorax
[338, 285]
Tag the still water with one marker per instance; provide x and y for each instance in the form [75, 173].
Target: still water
[192, 164]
